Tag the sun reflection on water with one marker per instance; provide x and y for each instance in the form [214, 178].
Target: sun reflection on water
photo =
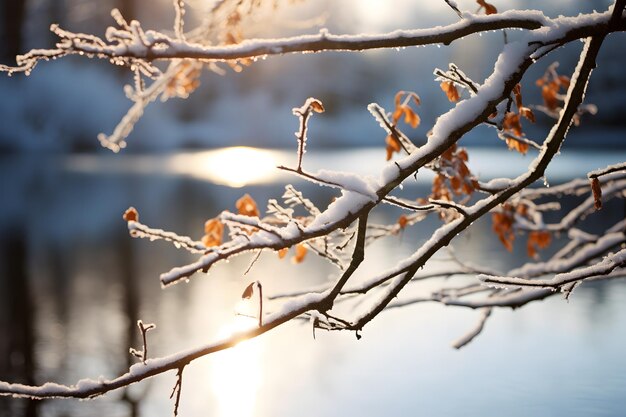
[236, 373]
[236, 167]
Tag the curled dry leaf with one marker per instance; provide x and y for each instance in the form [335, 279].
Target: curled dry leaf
[184, 82]
[527, 113]
[517, 145]
[451, 91]
[563, 81]
[517, 92]
[440, 190]
[489, 8]
[282, 253]
[597, 193]
[549, 94]
[301, 251]
[403, 221]
[453, 162]
[247, 293]
[393, 146]
[247, 206]
[537, 239]
[398, 98]
[552, 84]
[502, 225]
[512, 123]
[234, 37]
[403, 108]
[213, 233]
[131, 215]
[317, 106]
[410, 117]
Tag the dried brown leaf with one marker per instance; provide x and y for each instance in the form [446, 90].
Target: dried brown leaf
[317, 106]
[301, 251]
[489, 8]
[247, 206]
[213, 233]
[451, 91]
[597, 193]
[247, 293]
[131, 215]
[537, 239]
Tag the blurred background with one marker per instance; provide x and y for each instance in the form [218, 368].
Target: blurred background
[73, 284]
[64, 104]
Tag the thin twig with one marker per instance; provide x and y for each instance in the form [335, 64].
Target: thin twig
[177, 389]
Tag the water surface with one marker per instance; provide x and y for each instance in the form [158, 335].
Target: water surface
[73, 285]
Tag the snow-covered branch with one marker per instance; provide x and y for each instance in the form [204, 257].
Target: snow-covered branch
[341, 231]
[559, 281]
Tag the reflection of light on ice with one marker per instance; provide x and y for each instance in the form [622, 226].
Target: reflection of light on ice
[235, 167]
[236, 373]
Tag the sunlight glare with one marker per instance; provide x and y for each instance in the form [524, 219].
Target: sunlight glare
[382, 15]
[235, 167]
[236, 373]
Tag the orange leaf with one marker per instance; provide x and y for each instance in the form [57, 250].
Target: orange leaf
[517, 91]
[439, 190]
[403, 221]
[317, 106]
[489, 8]
[522, 209]
[131, 215]
[549, 95]
[393, 142]
[516, 145]
[389, 153]
[455, 182]
[247, 206]
[451, 92]
[410, 117]
[462, 169]
[597, 193]
[214, 232]
[398, 98]
[537, 239]
[282, 253]
[184, 82]
[397, 114]
[512, 122]
[449, 153]
[542, 238]
[503, 227]
[527, 113]
[301, 251]
[470, 186]
[393, 145]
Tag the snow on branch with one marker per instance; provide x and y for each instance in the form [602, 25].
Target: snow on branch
[605, 267]
[341, 231]
[130, 45]
[134, 42]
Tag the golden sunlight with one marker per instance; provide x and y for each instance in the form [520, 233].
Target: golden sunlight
[236, 373]
[235, 167]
